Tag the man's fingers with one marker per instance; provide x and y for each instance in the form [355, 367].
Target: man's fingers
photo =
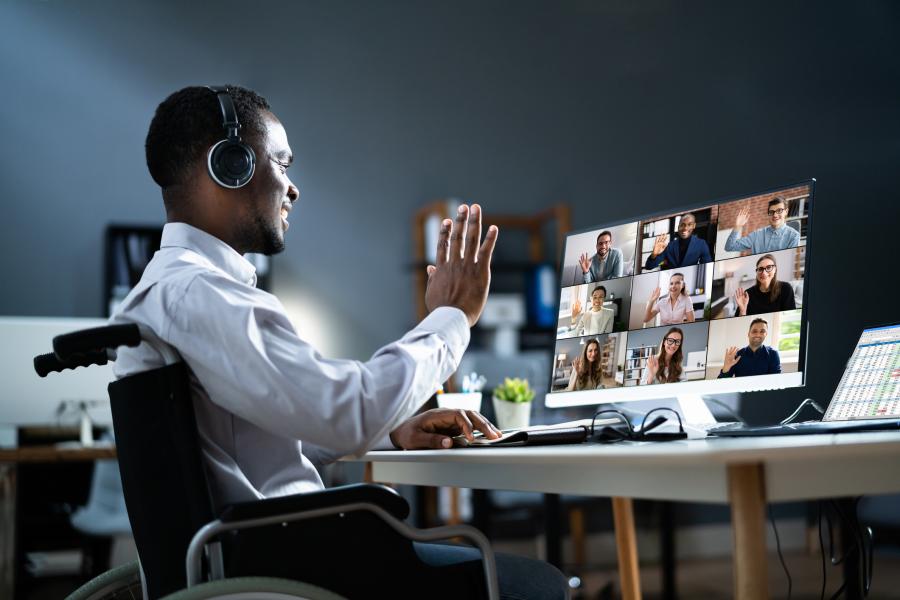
[465, 425]
[473, 233]
[483, 425]
[458, 232]
[430, 269]
[431, 440]
[443, 242]
[487, 248]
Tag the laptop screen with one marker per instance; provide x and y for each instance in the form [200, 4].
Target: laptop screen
[870, 387]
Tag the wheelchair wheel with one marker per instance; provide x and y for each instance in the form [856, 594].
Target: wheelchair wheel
[254, 588]
[121, 583]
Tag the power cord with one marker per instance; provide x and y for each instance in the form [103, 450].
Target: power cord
[780, 555]
[804, 404]
[858, 547]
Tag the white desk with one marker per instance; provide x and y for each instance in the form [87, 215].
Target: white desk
[743, 472]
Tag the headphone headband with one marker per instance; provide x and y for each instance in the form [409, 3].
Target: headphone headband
[230, 161]
[229, 114]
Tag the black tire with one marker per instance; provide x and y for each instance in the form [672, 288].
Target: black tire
[121, 583]
[254, 588]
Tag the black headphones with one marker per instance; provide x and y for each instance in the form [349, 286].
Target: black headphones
[230, 162]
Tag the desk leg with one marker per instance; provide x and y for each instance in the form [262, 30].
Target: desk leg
[7, 529]
[626, 548]
[747, 494]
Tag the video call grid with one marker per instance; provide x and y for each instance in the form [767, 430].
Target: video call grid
[636, 262]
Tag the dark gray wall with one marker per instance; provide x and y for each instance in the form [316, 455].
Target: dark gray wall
[617, 107]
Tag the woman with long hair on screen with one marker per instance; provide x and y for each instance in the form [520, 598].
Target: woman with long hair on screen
[586, 371]
[675, 307]
[665, 365]
[768, 294]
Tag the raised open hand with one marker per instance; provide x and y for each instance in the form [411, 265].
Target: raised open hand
[462, 275]
[576, 309]
[652, 367]
[741, 298]
[731, 359]
[659, 246]
[585, 261]
[741, 219]
[654, 296]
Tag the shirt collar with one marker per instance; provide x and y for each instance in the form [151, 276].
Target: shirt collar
[220, 254]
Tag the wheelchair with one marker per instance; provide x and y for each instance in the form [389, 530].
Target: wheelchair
[176, 529]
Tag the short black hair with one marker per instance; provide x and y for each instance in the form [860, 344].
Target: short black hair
[602, 233]
[755, 321]
[189, 122]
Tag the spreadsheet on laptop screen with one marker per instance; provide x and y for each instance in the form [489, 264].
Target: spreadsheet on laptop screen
[870, 387]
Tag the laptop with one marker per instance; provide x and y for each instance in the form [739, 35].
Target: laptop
[866, 399]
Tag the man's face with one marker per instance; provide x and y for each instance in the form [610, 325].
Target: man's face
[686, 226]
[603, 244]
[757, 335]
[776, 215]
[271, 194]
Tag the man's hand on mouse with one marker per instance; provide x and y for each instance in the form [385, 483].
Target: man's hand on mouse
[435, 428]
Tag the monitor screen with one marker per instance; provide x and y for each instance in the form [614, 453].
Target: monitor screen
[703, 300]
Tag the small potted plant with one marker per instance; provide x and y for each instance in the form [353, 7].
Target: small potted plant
[512, 403]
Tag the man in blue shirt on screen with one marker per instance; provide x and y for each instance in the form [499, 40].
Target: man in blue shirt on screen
[777, 236]
[685, 250]
[754, 359]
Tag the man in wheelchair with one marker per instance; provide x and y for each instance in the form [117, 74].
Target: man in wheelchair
[270, 410]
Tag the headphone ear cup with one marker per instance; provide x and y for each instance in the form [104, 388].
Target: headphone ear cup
[231, 163]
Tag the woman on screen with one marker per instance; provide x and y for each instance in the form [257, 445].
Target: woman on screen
[586, 373]
[665, 365]
[597, 319]
[674, 308]
[768, 294]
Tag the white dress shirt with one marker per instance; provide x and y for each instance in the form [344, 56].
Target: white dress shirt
[258, 388]
[594, 322]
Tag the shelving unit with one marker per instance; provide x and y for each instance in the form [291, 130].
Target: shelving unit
[636, 363]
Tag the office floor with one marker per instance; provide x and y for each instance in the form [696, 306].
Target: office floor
[711, 579]
[706, 579]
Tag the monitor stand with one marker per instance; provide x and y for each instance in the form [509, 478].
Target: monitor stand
[694, 410]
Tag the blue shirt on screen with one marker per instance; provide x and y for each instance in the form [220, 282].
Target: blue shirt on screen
[697, 252]
[767, 239]
[764, 361]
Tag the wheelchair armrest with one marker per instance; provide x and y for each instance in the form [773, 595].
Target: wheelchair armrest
[379, 495]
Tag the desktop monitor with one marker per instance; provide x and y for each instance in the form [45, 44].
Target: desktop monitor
[703, 300]
[29, 400]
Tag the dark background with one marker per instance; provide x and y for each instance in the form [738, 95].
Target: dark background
[619, 108]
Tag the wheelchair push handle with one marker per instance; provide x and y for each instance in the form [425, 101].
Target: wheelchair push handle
[97, 339]
[86, 347]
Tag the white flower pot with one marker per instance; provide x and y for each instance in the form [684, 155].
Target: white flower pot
[465, 401]
[512, 415]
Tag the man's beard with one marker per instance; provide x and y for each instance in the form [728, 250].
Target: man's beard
[262, 237]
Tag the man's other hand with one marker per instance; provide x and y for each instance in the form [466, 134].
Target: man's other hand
[435, 428]
[462, 275]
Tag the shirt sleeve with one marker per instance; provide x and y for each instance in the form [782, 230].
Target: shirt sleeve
[736, 244]
[705, 256]
[775, 362]
[251, 361]
[617, 266]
